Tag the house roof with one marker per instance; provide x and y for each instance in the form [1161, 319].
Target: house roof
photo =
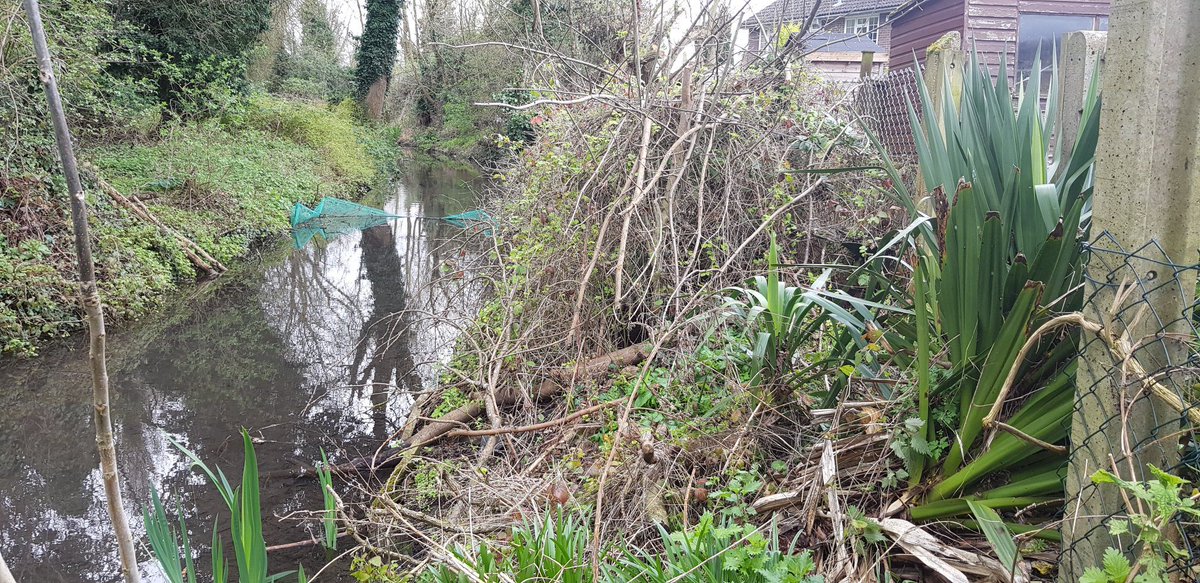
[781, 11]
[840, 42]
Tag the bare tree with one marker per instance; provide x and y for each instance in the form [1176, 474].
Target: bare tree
[90, 298]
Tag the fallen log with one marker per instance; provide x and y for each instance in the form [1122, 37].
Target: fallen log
[452, 423]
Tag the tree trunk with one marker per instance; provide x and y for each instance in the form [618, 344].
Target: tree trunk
[377, 54]
[375, 99]
[90, 298]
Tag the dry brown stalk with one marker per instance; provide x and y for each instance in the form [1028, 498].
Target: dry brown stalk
[1122, 349]
[536, 426]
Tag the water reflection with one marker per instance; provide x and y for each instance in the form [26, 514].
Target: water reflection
[322, 346]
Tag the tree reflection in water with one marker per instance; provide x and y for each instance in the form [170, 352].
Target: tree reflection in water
[319, 347]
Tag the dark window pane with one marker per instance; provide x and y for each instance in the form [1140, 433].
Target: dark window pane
[1046, 31]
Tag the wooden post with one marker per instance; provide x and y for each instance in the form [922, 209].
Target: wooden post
[1147, 189]
[944, 62]
[90, 298]
[868, 65]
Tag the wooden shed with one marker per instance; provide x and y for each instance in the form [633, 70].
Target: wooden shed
[1015, 28]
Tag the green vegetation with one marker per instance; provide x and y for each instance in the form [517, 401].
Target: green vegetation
[172, 548]
[1154, 506]
[982, 296]
[329, 518]
[331, 131]
[554, 550]
[158, 96]
[312, 69]
[222, 183]
[912, 313]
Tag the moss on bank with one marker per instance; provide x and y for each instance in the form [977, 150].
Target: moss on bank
[223, 183]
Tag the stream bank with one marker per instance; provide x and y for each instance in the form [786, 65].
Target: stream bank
[226, 183]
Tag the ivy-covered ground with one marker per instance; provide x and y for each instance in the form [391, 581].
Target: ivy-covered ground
[224, 182]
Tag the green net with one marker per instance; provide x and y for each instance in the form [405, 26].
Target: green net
[333, 216]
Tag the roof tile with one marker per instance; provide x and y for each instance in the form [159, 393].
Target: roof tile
[798, 10]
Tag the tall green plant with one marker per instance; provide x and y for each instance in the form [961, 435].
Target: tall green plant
[1002, 254]
[329, 518]
[781, 319]
[249, 547]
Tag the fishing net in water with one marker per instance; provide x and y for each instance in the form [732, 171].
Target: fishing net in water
[333, 216]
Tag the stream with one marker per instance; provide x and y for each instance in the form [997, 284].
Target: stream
[308, 349]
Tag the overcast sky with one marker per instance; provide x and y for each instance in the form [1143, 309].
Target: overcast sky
[352, 11]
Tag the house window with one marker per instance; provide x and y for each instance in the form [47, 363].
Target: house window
[1047, 31]
[867, 26]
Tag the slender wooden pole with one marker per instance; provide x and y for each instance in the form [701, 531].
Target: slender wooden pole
[5, 574]
[90, 298]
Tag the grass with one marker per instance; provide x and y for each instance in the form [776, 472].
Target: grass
[328, 130]
[223, 183]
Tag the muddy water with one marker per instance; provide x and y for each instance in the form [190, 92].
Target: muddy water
[319, 347]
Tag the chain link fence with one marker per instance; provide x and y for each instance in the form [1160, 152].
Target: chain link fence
[882, 104]
[1135, 400]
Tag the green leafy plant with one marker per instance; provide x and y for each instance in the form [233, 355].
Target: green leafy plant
[556, 549]
[250, 550]
[781, 318]
[329, 518]
[551, 550]
[735, 496]
[1161, 500]
[864, 531]
[1001, 254]
[711, 553]
[373, 569]
[172, 548]
[998, 536]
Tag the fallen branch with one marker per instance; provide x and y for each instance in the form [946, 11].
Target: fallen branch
[550, 387]
[536, 426]
[950, 563]
[302, 543]
[451, 424]
[194, 252]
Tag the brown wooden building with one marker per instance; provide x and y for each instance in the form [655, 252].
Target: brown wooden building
[838, 20]
[1015, 28]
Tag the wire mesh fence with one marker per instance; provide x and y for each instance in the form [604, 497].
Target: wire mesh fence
[1135, 404]
[882, 104]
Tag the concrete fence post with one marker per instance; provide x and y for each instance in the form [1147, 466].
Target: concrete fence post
[1147, 189]
[1082, 53]
[944, 62]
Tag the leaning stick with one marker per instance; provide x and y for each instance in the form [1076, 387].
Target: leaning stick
[194, 252]
[89, 296]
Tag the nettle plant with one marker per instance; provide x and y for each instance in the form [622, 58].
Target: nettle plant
[1159, 502]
